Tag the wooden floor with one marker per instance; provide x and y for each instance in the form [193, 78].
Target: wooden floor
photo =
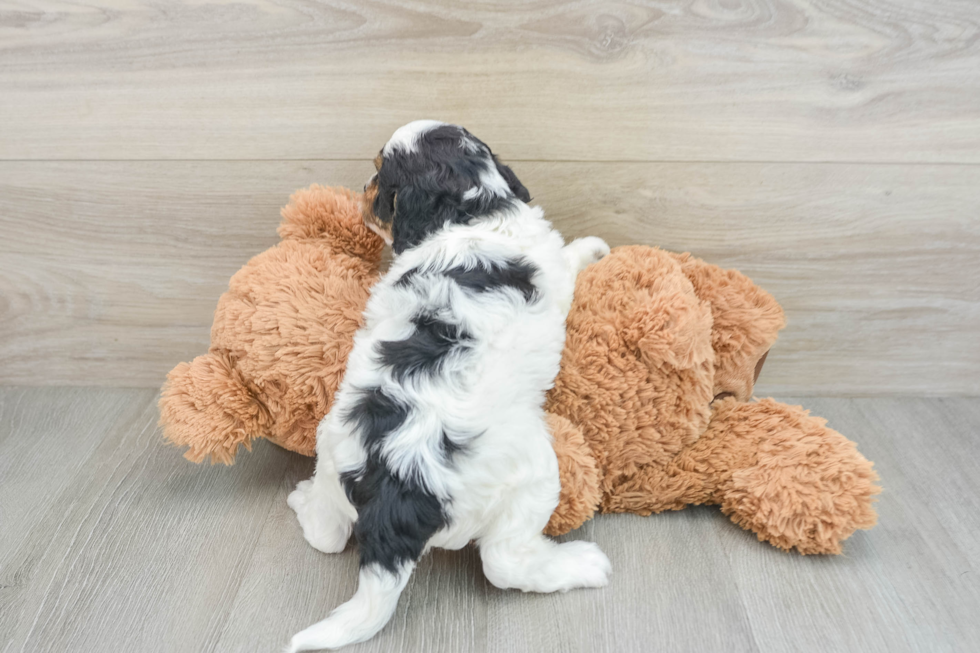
[110, 541]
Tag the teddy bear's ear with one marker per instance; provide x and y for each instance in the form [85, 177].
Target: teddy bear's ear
[331, 215]
[747, 321]
[671, 327]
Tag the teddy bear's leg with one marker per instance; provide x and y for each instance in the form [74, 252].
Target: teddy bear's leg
[579, 476]
[516, 554]
[322, 508]
[784, 475]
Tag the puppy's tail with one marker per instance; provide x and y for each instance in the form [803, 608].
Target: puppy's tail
[360, 618]
[396, 517]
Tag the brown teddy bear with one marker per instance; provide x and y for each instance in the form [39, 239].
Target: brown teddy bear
[648, 413]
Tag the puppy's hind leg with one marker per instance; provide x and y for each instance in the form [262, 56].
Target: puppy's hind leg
[396, 518]
[536, 564]
[323, 509]
[516, 554]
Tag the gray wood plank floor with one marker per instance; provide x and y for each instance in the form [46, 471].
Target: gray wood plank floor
[110, 541]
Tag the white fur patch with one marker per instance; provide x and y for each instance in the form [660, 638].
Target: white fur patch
[407, 136]
[491, 183]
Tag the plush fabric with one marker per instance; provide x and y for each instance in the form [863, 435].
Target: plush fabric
[281, 335]
[651, 410]
[662, 354]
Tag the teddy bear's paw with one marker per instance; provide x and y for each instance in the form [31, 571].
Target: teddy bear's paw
[325, 527]
[586, 251]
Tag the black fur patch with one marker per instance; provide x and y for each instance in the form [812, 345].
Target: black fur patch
[511, 274]
[395, 516]
[375, 416]
[407, 278]
[517, 274]
[450, 448]
[423, 351]
[513, 182]
[422, 191]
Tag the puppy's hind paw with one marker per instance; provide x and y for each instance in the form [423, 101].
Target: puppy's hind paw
[323, 526]
[586, 565]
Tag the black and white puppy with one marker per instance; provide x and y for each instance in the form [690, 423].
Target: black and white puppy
[437, 436]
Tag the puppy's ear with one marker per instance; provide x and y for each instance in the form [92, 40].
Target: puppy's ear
[513, 182]
[419, 208]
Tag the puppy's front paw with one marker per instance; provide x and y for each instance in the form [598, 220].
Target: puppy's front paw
[323, 527]
[589, 250]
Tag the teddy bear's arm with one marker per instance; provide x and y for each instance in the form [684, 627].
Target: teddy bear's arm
[206, 407]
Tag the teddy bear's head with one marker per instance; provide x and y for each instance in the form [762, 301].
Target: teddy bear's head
[332, 216]
[281, 334]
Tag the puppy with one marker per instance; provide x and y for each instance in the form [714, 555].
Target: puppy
[437, 435]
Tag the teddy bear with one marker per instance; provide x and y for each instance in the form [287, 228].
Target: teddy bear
[651, 410]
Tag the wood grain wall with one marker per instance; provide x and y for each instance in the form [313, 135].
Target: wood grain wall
[828, 148]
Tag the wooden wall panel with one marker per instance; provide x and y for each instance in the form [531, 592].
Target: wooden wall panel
[109, 271]
[829, 148]
[677, 80]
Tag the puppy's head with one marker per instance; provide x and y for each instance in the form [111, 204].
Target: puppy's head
[430, 174]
